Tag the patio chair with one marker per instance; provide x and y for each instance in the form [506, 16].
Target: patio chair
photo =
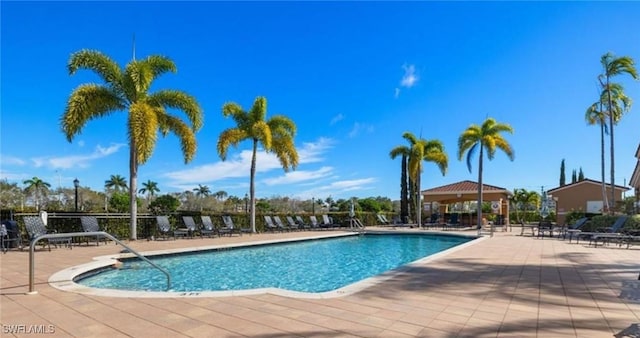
[302, 223]
[293, 224]
[382, 220]
[164, 227]
[327, 222]
[269, 225]
[10, 236]
[190, 227]
[605, 234]
[229, 227]
[314, 222]
[433, 221]
[280, 224]
[90, 224]
[35, 228]
[575, 228]
[208, 228]
[453, 222]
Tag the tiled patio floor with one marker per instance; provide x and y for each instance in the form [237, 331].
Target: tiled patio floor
[506, 286]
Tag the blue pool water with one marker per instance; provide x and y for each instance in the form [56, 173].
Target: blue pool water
[306, 266]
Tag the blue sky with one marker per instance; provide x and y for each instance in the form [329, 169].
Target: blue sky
[352, 75]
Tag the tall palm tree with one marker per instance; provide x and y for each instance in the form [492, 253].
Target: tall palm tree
[220, 195]
[116, 182]
[488, 138]
[595, 114]
[128, 90]
[614, 66]
[150, 188]
[38, 187]
[202, 191]
[405, 152]
[423, 150]
[275, 135]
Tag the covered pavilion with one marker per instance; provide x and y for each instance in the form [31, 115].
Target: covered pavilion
[464, 191]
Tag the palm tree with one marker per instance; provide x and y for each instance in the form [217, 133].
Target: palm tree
[424, 150]
[403, 151]
[202, 191]
[524, 200]
[150, 188]
[116, 182]
[596, 115]
[275, 135]
[37, 186]
[613, 66]
[486, 137]
[128, 89]
[220, 195]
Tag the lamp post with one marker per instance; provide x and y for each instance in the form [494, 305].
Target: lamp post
[313, 205]
[246, 203]
[76, 184]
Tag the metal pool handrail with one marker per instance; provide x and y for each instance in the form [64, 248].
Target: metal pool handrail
[83, 234]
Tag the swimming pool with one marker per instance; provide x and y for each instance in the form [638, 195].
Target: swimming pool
[313, 266]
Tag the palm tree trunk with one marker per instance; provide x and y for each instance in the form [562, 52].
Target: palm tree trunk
[479, 208]
[404, 207]
[251, 186]
[419, 198]
[605, 204]
[612, 203]
[133, 177]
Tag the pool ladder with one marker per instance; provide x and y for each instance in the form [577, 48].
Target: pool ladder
[83, 234]
[356, 225]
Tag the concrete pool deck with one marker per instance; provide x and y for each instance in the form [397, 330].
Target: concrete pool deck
[505, 286]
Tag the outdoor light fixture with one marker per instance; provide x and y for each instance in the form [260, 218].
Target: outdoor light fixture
[76, 184]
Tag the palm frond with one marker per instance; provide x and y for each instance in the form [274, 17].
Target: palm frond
[258, 111]
[399, 151]
[179, 100]
[87, 102]
[185, 135]
[230, 137]
[143, 126]
[260, 131]
[285, 150]
[159, 64]
[93, 60]
[470, 153]
[503, 145]
[410, 137]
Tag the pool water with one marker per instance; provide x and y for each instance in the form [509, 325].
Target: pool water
[306, 266]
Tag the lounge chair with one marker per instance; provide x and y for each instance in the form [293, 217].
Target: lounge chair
[575, 228]
[605, 234]
[35, 228]
[302, 223]
[294, 225]
[269, 225]
[10, 236]
[207, 227]
[164, 227]
[314, 222]
[229, 227]
[382, 220]
[327, 222]
[90, 224]
[190, 227]
[280, 224]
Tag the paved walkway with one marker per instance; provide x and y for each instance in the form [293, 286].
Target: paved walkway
[506, 286]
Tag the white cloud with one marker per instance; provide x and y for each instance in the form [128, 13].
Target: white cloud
[410, 77]
[338, 189]
[82, 161]
[10, 160]
[396, 93]
[81, 143]
[299, 176]
[358, 127]
[11, 176]
[336, 119]
[240, 164]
